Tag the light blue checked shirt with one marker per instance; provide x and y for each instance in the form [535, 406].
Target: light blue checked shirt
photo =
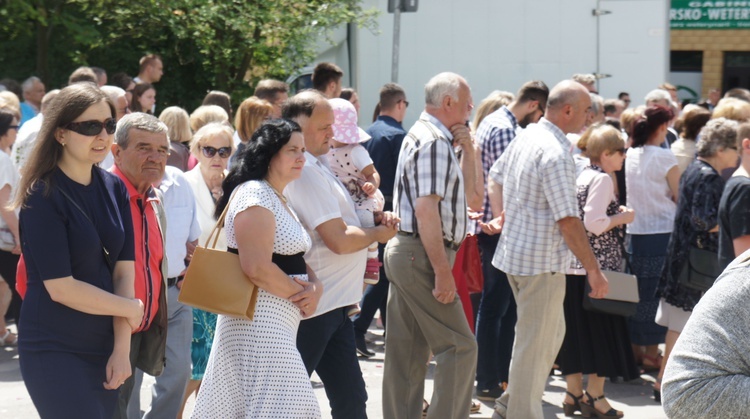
[538, 177]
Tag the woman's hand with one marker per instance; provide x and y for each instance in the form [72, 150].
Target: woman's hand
[118, 369]
[627, 214]
[136, 314]
[307, 299]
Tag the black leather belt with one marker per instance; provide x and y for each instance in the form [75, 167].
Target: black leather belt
[447, 243]
[173, 281]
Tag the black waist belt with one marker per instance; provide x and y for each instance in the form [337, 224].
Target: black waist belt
[290, 264]
[447, 243]
[172, 281]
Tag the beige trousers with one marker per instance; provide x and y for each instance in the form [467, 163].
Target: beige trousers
[540, 331]
[417, 324]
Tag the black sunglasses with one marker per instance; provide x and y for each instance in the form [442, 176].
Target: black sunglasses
[210, 152]
[406, 102]
[92, 128]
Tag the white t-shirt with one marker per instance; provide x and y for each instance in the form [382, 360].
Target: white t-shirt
[8, 176]
[648, 191]
[317, 196]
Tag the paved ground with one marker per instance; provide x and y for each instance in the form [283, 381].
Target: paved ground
[633, 398]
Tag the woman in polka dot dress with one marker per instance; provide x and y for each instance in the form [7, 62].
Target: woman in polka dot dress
[255, 370]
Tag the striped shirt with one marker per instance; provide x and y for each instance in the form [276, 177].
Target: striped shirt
[427, 165]
[539, 188]
[494, 134]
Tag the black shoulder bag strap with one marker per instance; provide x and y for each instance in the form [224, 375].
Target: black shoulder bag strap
[105, 252]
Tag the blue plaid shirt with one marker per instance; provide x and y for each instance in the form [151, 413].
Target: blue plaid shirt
[494, 134]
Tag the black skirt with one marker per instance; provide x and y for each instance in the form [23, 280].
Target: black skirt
[594, 343]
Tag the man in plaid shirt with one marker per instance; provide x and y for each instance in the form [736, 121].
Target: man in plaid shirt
[496, 320]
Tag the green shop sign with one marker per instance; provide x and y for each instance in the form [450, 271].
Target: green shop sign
[687, 14]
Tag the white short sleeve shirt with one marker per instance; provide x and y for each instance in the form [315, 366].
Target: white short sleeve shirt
[648, 191]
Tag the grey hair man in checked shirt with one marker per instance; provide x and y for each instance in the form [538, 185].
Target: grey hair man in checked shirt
[432, 191]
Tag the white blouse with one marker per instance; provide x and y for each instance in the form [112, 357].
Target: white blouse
[648, 192]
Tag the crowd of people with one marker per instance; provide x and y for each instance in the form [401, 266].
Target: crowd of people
[103, 205]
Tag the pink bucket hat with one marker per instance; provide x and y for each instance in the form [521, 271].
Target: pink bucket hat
[345, 129]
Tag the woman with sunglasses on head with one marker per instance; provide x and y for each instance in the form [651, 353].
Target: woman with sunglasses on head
[212, 145]
[596, 344]
[77, 241]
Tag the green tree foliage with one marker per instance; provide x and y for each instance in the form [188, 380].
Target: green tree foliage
[205, 44]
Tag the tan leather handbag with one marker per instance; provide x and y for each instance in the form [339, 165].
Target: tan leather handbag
[215, 281]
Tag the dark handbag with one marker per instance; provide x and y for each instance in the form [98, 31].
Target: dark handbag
[622, 298]
[700, 270]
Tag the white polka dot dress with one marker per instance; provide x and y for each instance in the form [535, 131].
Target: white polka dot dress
[255, 370]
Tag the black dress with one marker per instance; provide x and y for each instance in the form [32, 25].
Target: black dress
[63, 352]
[596, 343]
[701, 187]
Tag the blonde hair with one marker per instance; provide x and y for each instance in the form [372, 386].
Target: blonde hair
[10, 101]
[206, 114]
[250, 115]
[600, 138]
[491, 103]
[731, 108]
[629, 117]
[178, 122]
[211, 130]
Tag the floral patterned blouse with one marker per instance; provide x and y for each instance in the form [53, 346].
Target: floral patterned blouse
[697, 213]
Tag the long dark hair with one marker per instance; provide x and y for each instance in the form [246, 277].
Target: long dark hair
[68, 105]
[646, 126]
[252, 163]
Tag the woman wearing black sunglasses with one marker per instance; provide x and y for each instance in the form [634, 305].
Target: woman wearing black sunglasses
[212, 145]
[77, 241]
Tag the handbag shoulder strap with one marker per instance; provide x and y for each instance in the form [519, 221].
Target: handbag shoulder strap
[219, 225]
[104, 248]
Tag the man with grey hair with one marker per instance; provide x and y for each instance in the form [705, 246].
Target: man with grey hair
[28, 133]
[33, 92]
[338, 256]
[141, 148]
[434, 187]
[533, 185]
[586, 80]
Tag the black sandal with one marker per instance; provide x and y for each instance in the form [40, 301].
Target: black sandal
[570, 409]
[588, 410]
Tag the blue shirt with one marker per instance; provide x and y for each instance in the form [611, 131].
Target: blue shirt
[387, 135]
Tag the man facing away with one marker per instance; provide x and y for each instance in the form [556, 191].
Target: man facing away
[532, 190]
[326, 79]
[424, 314]
[384, 146]
[274, 92]
[337, 256]
[141, 148]
[33, 91]
[496, 320]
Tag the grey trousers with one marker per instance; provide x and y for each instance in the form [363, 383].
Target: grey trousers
[169, 388]
[417, 325]
[540, 331]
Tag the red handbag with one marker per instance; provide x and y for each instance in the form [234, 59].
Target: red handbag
[21, 277]
[472, 264]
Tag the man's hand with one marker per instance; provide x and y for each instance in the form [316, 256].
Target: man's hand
[494, 226]
[190, 246]
[599, 284]
[462, 138]
[386, 218]
[445, 288]
[475, 215]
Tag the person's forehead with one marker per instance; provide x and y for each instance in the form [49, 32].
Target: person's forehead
[145, 138]
[322, 114]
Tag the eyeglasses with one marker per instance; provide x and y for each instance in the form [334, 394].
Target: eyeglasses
[15, 127]
[406, 102]
[540, 107]
[622, 150]
[92, 128]
[210, 152]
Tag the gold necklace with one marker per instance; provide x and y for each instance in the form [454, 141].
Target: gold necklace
[281, 197]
